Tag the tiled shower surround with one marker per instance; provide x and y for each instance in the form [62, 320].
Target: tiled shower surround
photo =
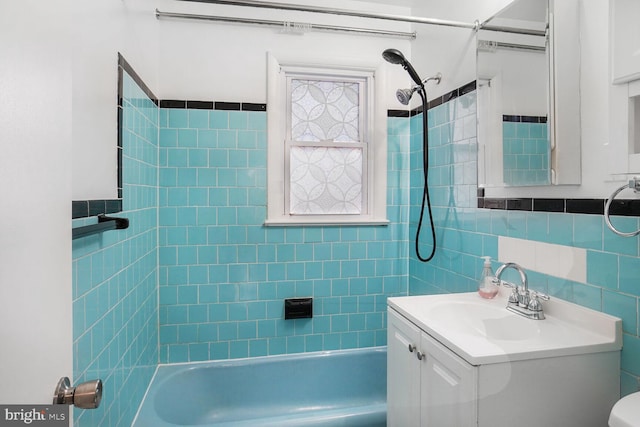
[196, 199]
[224, 276]
[115, 288]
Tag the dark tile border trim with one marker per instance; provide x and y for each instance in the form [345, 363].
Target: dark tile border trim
[172, 103]
[621, 207]
[121, 69]
[417, 110]
[249, 106]
[87, 208]
[519, 204]
[398, 113]
[586, 206]
[524, 119]
[462, 90]
[549, 205]
[229, 106]
[211, 105]
[200, 105]
[625, 207]
[488, 203]
[124, 65]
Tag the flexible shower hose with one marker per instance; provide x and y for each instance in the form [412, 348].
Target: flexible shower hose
[425, 191]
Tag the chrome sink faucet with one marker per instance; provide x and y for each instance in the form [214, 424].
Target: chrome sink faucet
[522, 301]
[517, 296]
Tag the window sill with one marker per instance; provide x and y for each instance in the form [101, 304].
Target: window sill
[326, 222]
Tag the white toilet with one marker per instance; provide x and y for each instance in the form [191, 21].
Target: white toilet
[626, 412]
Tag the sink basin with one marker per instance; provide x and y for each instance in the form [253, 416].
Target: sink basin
[483, 331]
[478, 318]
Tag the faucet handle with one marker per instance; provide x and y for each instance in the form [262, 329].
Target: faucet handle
[505, 283]
[541, 295]
[513, 297]
[534, 303]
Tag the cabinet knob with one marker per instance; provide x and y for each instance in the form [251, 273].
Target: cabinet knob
[411, 348]
[420, 355]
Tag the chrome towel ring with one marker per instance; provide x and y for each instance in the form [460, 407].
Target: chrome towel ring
[633, 184]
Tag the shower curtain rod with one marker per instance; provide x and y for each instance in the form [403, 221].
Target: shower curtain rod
[289, 26]
[477, 25]
[490, 45]
[319, 9]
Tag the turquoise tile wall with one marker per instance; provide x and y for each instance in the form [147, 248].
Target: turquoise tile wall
[115, 298]
[453, 190]
[465, 233]
[223, 276]
[525, 153]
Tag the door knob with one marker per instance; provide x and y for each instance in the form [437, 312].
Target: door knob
[84, 396]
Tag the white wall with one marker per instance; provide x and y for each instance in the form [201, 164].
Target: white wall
[224, 62]
[35, 219]
[198, 61]
[514, 67]
[451, 51]
[595, 88]
[101, 29]
[202, 60]
[624, 68]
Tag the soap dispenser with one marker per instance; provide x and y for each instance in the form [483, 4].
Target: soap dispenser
[487, 285]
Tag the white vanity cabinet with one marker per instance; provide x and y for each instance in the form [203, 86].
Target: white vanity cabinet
[428, 385]
[435, 382]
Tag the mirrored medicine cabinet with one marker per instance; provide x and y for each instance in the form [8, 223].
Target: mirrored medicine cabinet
[528, 96]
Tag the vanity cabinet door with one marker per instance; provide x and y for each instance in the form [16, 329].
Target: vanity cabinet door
[403, 372]
[448, 387]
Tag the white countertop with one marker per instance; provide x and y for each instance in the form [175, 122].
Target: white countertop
[483, 331]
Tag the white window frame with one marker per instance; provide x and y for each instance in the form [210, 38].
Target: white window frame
[374, 210]
[364, 82]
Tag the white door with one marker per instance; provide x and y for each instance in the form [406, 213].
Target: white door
[403, 372]
[35, 199]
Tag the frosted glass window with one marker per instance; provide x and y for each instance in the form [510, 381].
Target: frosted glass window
[327, 152]
[326, 180]
[326, 145]
[325, 110]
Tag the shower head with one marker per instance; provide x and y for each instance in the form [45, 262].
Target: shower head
[404, 95]
[394, 56]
